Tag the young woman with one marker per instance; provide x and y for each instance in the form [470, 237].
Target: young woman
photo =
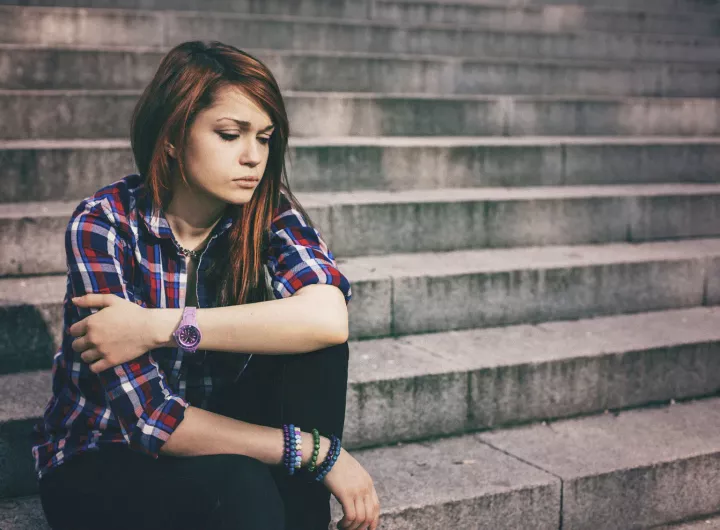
[165, 416]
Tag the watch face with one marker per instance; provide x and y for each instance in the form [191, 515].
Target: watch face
[188, 336]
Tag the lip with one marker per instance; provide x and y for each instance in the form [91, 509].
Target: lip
[246, 179]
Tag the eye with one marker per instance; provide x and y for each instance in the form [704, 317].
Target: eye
[227, 137]
[263, 140]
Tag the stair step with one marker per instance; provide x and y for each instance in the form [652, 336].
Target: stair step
[356, 223]
[517, 16]
[631, 470]
[488, 378]
[364, 9]
[702, 6]
[23, 513]
[52, 170]
[77, 114]
[68, 27]
[132, 68]
[405, 294]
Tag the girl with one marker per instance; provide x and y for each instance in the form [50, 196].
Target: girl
[156, 421]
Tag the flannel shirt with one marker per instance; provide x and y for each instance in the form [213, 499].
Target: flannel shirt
[116, 242]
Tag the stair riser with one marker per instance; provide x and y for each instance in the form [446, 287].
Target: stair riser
[650, 5]
[388, 306]
[36, 245]
[92, 69]
[404, 409]
[326, 8]
[97, 115]
[355, 8]
[58, 28]
[72, 173]
[546, 18]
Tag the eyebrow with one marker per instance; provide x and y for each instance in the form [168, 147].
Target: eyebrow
[247, 124]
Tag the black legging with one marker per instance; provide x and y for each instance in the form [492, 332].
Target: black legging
[116, 488]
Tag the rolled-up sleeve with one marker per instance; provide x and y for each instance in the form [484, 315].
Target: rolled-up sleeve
[99, 261]
[298, 255]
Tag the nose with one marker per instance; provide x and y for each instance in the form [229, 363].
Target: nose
[250, 155]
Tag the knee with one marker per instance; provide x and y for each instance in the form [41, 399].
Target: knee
[250, 492]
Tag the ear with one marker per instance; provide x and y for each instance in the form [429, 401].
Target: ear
[170, 150]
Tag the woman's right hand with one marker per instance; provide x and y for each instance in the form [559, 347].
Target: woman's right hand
[354, 489]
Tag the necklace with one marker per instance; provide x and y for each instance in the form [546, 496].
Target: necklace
[194, 254]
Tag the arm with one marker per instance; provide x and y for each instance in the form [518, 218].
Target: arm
[312, 297]
[314, 318]
[206, 433]
[136, 392]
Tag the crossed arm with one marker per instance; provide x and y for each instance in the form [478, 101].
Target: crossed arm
[115, 336]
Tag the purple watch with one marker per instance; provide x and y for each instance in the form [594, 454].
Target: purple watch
[187, 334]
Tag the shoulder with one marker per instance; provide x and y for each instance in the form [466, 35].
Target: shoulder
[287, 211]
[109, 209]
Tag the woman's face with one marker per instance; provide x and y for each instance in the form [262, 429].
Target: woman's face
[227, 142]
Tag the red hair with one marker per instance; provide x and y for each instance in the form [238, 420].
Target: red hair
[186, 82]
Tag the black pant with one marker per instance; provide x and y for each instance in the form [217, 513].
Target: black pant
[116, 488]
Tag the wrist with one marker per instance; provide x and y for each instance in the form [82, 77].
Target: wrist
[163, 322]
[308, 446]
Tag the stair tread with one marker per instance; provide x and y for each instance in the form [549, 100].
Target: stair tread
[157, 15]
[51, 288]
[24, 395]
[265, 53]
[35, 209]
[400, 141]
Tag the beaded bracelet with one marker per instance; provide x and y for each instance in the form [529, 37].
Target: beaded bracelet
[292, 457]
[316, 451]
[330, 459]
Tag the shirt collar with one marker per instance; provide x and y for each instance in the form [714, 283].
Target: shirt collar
[157, 224]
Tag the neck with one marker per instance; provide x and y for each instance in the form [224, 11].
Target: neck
[192, 215]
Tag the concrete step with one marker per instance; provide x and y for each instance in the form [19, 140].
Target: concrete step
[631, 470]
[702, 523]
[22, 513]
[599, 472]
[44, 170]
[164, 29]
[25, 513]
[358, 223]
[405, 294]
[514, 16]
[488, 378]
[702, 6]
[77, 114]
[33, 67]
[374, 9]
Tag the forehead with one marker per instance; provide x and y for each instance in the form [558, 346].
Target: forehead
[233, 102]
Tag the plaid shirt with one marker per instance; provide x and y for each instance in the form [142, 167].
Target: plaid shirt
[117, 243]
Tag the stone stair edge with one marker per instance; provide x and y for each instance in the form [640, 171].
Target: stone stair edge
[398, 141]
[396, 266]
[309, 94]
[488, 4]
[377, 361]
[319, 199]
[357, 22]
[266, 53]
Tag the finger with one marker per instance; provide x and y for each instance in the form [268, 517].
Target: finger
[91, 355]
[369, 511]
[100, 366]
[348, 519]
[376, 505]
[93, 300]
[81, 344]
[359, 514]
[79, 328]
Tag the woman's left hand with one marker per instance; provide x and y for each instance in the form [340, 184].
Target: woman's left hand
[118, 333]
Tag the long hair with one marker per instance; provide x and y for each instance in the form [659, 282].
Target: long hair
[186, 82]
